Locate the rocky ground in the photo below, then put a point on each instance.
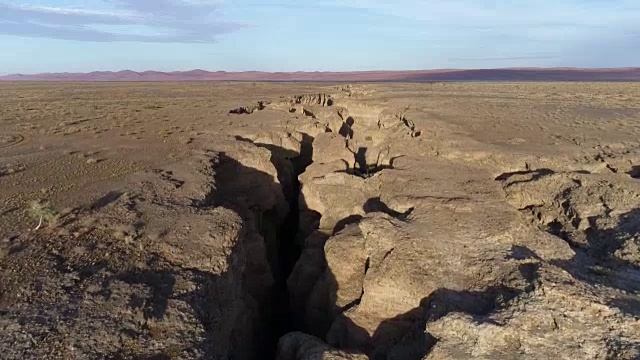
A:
(313, 221)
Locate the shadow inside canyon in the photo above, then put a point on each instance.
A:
(243, 315)
(242, 189)
(404, 336)
(362, 168)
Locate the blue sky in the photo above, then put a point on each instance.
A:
(321, 35)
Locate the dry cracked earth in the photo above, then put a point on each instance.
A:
(308, 221)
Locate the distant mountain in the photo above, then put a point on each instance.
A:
(512, 74)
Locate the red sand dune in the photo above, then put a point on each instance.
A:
(513, 74)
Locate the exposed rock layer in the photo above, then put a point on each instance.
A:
(417, 256)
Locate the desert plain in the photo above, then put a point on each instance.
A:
(219, 220)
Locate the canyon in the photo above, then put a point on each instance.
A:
(320, 221)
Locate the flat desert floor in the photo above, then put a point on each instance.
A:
(306, 221)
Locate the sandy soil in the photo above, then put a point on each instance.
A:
(68, 142)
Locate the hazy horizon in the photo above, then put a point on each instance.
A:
(44, 36)
(329, 71)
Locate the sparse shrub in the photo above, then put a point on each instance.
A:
(43, 212)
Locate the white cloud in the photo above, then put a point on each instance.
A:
(175, 20)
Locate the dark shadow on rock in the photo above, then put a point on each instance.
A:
(376, 205)
(110, 197)
(627, 304)
(361, 160)
(288, 163)
(274, 149)
(282, 160)
(239, 188)
(404, 336)
(241, 111)
(535, 175)
(347, 128)
(205, 301)
(371, 206)
(634, 172)
(249, 321)
(168, 176)
(522, 253)
(412, 342)
(340, 225)
(246, 110)
(364, 170)
(83, 271)
(161, 284)
(306, 154)
(314, 99)
(599, 262)
(308, 221)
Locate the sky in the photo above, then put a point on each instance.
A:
(321, 35)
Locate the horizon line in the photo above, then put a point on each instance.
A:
(435, 75)
(568, 68)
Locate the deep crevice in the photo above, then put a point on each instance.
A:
(288, 253)
(283, 251)
(285, 248)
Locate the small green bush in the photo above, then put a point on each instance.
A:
(43, 212)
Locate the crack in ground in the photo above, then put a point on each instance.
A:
(359, 140)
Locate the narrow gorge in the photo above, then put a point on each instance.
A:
(349, 224)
